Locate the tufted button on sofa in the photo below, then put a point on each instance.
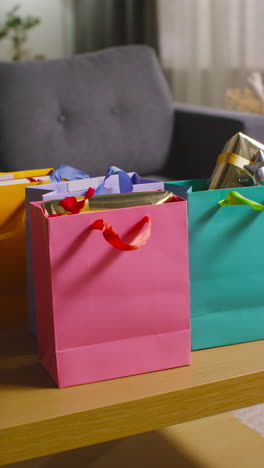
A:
(111, 107)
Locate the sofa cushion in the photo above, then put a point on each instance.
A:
(90, 111)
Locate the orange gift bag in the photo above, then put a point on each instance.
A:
(12, 243)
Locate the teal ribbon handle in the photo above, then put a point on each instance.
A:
(235, 198)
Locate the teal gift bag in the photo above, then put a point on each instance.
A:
(226, 251)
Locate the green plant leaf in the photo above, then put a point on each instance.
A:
(15, 27)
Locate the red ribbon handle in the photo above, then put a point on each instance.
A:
(113, 238)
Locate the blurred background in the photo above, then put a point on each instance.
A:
(207, 48)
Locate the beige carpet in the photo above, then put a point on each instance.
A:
(253, 417)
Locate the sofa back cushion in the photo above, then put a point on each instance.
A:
(111, 107)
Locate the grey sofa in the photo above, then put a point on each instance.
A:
(111, 107)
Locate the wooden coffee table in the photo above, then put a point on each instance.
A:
(37, 419)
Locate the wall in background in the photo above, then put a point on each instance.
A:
(210, 46)
(54, 37)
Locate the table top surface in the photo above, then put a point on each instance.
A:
(41, 419)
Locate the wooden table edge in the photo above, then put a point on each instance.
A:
(72, 431)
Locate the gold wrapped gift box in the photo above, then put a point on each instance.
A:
(239, 151)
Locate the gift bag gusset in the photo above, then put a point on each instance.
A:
(112, 291)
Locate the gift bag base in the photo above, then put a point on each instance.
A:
(111, 360)
(228, 328)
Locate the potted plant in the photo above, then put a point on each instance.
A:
(15, 28)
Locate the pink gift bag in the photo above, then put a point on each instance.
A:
(111, 305)
(110, 183)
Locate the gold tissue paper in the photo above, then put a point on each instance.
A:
(239, 151)
(111, 201)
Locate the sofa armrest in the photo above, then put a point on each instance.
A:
(200, 134)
